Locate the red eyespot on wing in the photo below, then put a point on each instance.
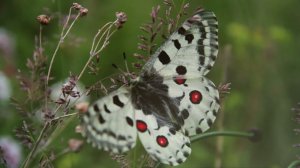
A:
(195, 96)
(141, 125)
(179, 80)
(162, 141)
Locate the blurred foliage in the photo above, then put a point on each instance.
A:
(263, 69)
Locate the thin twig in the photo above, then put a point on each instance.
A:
(40, 38)
(29, 157)
(220, 123)
(64, 116)
(95, 37)
(223, 133)
(60, 42)
(294, 164)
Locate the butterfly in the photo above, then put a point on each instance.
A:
(169, 101)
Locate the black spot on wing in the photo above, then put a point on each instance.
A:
(181, 31)
(198, 131)
(121, 137)
(206, 88)
(202, 59)
(181, 70)
(172, 131)
(186, 154)
(111, 134)
(179, 161)
(209, 122)
(101, 119)
(200, 121)
(189, 38)
(209, 67)
(186, 133)
(96, 108)
(106, 109)
(117, 101)
(185, 113)
(211, 103)
(177, 44)
(200, 50)
(213, 57)
(129, 121)
(164, 57)
(214, 112)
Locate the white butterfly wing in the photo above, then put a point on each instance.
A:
(191, 50)
(198, 103)
(109, 122)
(175, 75)
(163, 144)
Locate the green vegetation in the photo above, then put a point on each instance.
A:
(258, 54)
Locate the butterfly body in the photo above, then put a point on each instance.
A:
(169, 101)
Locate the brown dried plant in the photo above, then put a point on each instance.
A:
(35, 84)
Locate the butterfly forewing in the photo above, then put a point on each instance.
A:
(109, 123)
(191, 50)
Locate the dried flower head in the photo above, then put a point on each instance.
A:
(75, 145)
(23, 133)
(121, 19)
(82, 107)
(79, 129)
(168, 2)
(77, 6)
(137, 65)
(121, 159)
(48, 114)
(154, 13)
(83, 11)
(224, 89)
(43, 19)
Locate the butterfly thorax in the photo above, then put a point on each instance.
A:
(150, 95)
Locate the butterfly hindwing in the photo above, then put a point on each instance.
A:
(198, 102)
(191, 50)
(164, 144)
(109, 122)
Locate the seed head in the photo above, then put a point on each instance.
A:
(43, 19)
(121, 19)
(75, 145)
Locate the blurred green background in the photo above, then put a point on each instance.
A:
(259, 39)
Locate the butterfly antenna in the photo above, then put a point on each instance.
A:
(125, 61)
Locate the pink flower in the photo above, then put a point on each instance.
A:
(11, 152)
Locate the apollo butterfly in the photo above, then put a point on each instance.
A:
(169, 101)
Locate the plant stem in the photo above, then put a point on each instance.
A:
(64, 116)
(294, 164)
(29, 157)
(218, 133)
(222, 133)
(40, 38)
(63, 36)
(94, 51)
(220, 124)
